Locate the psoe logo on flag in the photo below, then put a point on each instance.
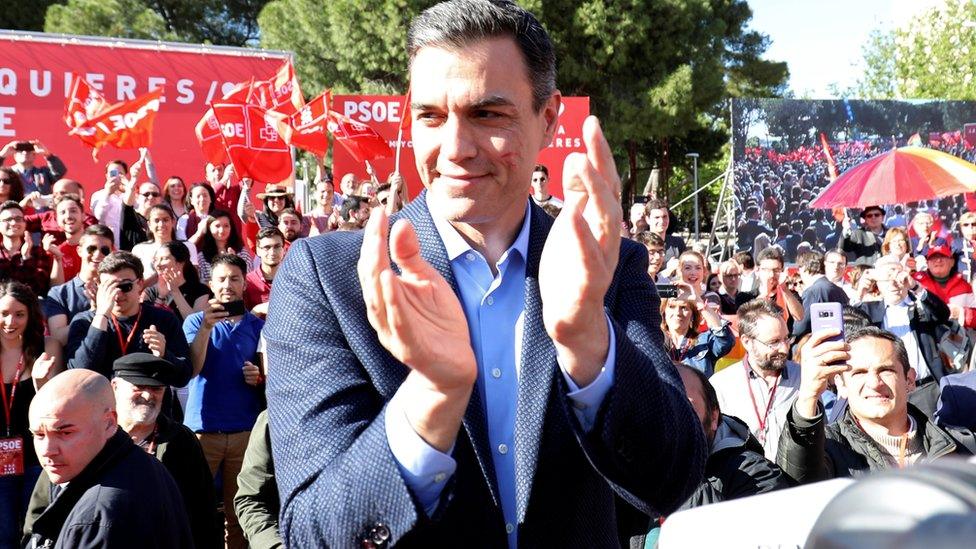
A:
(268, 132)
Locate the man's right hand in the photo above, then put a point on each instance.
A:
(419, 320)
(105, 297)
(215, 313)
(815, 369)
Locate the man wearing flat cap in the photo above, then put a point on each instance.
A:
(863, 245)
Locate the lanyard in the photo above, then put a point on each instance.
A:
(8, 406)
(769, 405)
(678, 354)
(124, 345)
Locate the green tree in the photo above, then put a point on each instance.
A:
(931, 57)
(219, 22)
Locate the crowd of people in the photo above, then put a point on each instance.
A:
(417, 386)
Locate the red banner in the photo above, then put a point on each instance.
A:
(383, 113)
(254, 143)
(125, 125)
(35, 80)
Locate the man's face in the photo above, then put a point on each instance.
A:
(540, 185)
(227, 283)
(68, 434)
(968, 228)
(730, 277)
(876, 386)
(271, 251)
(92, 249)
(348, 184)
(768, 350)
(873, 220)
(940, 265)
(12, 224)
(658, 220)
(290, 226)
(476, 135)
(769, 271)
(324, 192)
(63, 187)
(834, 266)
(922, 224)
(149, 195)
(24, 157)
(69, 217)
(655, 258)
(126, 303)
(137, 403)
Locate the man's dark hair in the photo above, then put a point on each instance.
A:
(11, 205)
(456, 25)
(125, 166)
(711, 398)
(745, 259)
(873, 331)
(772, 252)
(750, 313)
(71, 197)
(349, 205)
(854, 319)
(752, 212)
(811, 262)
(541, 168)
(655, 204)
(116, 261)
(232, 260)
(647, 238)
(99, 230)
(269, 232)
(290, 211)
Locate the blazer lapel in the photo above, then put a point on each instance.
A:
(433, 251)
(537, 369)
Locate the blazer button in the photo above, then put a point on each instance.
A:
(379, 535)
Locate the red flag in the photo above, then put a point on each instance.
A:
(254, 141)
(281, 92)
(125, 125)
(359, 139)
(83, 103)
(309, 126)
(208, 129)
(831, 165)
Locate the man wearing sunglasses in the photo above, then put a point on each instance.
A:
(863, 245)
(761, 389)
(120, 323)
(67, 300)
(965, 248)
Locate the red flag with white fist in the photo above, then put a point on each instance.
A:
(256, 141)
(362, 141)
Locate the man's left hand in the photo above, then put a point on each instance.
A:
(580, 257)
(155, 340)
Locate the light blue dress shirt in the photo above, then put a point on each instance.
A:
(494, 307)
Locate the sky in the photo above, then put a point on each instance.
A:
(822, 40)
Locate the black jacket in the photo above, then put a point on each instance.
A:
(180, 451)
(862, 246)
(736, 467)
(810, 452)
(928, 319)
(123, 498)
(821, 291)
(257, 503)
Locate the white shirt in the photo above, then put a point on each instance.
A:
(107, 209)
(896, 321)
(146, 251)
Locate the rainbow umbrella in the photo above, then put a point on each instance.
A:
(906, 174)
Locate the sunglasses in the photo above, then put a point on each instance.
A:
(92, 249)
(873, 215)
(967, 224)
(126, 286)
(150, 195)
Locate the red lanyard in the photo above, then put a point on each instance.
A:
(8, 406)
(124, 345)
(769, 405)
(679, 353)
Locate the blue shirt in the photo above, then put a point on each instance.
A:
(67, 299)
(219, 399)
(494, 308)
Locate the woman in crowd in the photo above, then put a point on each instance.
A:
(192, 225)
(680, 318)
(27, 360)
(174, 194)
(276, 198)
(714, 283)
(11, 186)
(691, 271)
(896, 243)
(221, 237)
(162, 229)
(178, 286)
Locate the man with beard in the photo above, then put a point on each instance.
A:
(760, 389)
(257, 283)
(70, 212)
(139, 384)
(64, 301)
(290, 224)
(879, 430)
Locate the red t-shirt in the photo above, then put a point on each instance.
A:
(257, 289)
(70, 260)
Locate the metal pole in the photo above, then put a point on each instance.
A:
(694, 159)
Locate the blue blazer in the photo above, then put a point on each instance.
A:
(329, 380)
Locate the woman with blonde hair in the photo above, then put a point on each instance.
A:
(680, 319)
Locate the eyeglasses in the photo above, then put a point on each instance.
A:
(732, 275)
(90, 250)
(873, 215)
(126, 286)
(779, 343)
(149, 195)
(13, 220)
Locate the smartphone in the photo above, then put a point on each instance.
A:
(234, 308)
(668, 291)
(827, 316)
(113, 172)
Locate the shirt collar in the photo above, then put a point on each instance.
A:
(455, 245)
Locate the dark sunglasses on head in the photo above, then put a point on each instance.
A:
(126, 286)
(150, 194)
(92, 249)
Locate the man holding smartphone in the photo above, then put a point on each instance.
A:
(36, 178)
(226, 392)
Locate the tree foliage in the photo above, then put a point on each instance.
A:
(219, 22)
(931, 57)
